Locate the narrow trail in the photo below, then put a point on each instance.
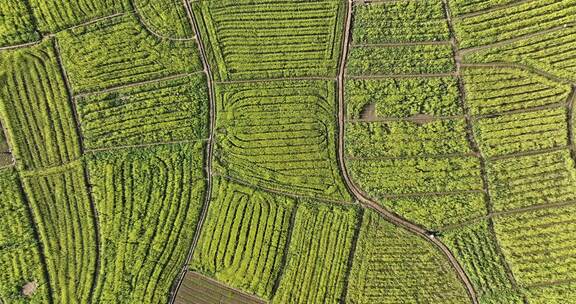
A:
(209, 149)
(368, 203)
(570, 123)
(475, 146)
(86, 173)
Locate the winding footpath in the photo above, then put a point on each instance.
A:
(209, 149)
(363, 199)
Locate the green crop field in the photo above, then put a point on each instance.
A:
(288, 151)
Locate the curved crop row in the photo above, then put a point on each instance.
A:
(165, 17)
(148, 202)
(244, 236)
(117, 51)
(280, 135)
(20, 254)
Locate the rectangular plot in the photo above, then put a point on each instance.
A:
(166, 111)
(16, 23)
(404, 60)
(148, 202)
(117, 52)
(280, 135)
(532, 180)
(539, 245)
(435, 212)
(257, 39)
(35, 108)
(370, 140)
(399, 21)
(199, 289)
(523, 132)
(56, 15)
(243, 237)
(401, 97)
(416, 175)
(318, 254)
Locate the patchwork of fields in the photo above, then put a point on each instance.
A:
(288, 151)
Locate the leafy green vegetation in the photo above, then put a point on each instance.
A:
(20, 254)
(55, 15)
(399, 21)
(249, 39)
(318, 254)
(164, 17)
(477, 250)
(244, 236)
(16, 23)
(117, 52)
(148, 202)
(165, 111)
(407, 59)
(403, 97)
(393, 266)
(35, 108)
(280, 135)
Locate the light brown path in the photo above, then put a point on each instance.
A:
(365, 201)
(209, 149)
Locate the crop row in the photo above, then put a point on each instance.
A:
(392, 265)
(477, 249)
(165, 17)
(148, 203)
(552, 52)
(35, 108)
(117, 51)
(60, 205)
(318, 254)
(497, 90)
(402, 97)
(16, 24)
(20, 255)
(243, 238)
(532, 180)
(460, 7)
(512, 22)
(166, 111)
(256, 40)
(539, 245)
(56, 15)
(532, 131)
(199, 289)
(407, 59)
(399, 21)
(280, 135)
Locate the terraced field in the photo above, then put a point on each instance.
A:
(288, 151)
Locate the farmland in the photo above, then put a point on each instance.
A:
(288, 151)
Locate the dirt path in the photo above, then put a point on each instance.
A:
(366, 202)
(570, 123)
(209, 149)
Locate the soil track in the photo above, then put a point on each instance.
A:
(364, 200)
(209, 148)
